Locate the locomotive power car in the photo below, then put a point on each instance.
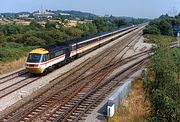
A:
(44, 59)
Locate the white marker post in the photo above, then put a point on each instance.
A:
(178, 35)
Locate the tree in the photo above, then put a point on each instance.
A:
(13, 29)
(165, 28)
(73, 32)
(35, 25)
(120, 22)
(2, 38)
(30, 40)
(50, 25)
(151, 30)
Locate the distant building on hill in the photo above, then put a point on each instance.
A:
(24, 15)
(64, 14)
(45, 14)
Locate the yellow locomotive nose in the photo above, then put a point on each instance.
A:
(33, 68)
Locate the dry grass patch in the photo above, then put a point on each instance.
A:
(135, 107)
(11, 66)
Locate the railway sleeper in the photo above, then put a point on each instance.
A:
(30, 115)
(81, 93)
(96, 95)
(89, 111)
(64, 107)
(78, 111)
(37, 110)
(85, 104)
(81, 109)
(55, 114)
(82, 118)
(49, 101)
(72, 117)
(91, 98)
(71, 103)
(77, 99)
(88, 102)
(80, 96)
(68, 105)
(25, 119)
(51, 119)
(75, 113)
(34, 113)
(40, 108)
(21, 121)
(44, 105)
(59, 112)
(62, 110)
(82, 106)
(69, 120)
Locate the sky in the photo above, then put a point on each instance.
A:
(131, 8)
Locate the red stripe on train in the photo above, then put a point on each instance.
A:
(53, 59)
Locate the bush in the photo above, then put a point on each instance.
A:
(151, 30)
(13, 29)
(29, 39)
(163, 89)
(73, 32)
(35, 25)
(10, 51)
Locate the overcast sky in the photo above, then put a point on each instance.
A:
(131, 8)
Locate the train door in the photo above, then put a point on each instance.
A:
(67, 54)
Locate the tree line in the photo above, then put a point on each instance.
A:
(163, 25)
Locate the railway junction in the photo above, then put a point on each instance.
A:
(78, 90)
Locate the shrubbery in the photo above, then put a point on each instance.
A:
(163, 84)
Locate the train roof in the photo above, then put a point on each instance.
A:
(39, 51)
(73, 41)
(55, 47)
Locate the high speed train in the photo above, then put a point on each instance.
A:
(45, 59)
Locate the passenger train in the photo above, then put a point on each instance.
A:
(44, 59)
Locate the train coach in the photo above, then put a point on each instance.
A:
(45, 59)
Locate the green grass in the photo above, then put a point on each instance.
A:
(14, 51)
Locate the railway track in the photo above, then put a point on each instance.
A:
(12, 76)
(40, 108)
(77, 108)
(82, 71)
(63, 108)
(12, 87)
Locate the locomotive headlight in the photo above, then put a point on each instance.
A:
(36, 65)
(32, 65)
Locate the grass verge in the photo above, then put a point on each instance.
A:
(12, 65)
(149, 38)
(135, 106)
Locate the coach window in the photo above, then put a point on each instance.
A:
(59, 53)
(45, 57)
